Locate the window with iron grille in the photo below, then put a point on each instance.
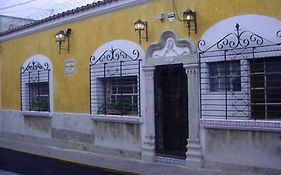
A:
(265, 86)
(244, 68)
(35, 87)
(121, 96)
(224, 75)
(115, 83)
(39, 96)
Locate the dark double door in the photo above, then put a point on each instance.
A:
(171, 115)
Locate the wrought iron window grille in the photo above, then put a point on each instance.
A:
(260, 93)
(115, 83)
(34, 87)
(238, 39)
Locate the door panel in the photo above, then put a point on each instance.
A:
(171, 110)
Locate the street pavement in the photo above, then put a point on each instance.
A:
(107, 163)
(28, 164)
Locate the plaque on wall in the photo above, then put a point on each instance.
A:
(70, 66)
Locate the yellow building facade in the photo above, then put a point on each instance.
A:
(88, 34)
(70, 118)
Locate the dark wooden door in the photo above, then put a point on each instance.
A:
(171, 110)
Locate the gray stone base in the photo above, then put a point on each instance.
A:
(240, 168)
(194, 156)
(148, 151)
(74, 131)
(72, 145)
(194, 163)
(147, 157)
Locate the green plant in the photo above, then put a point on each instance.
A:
(40, 105)
(118, 108)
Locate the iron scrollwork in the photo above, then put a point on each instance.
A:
(278, 34)
(237, 39)
(34, 66)
(114, 55)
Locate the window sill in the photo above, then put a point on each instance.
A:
(255, 125)
(221, 92)
(117, 118)
(37, 113)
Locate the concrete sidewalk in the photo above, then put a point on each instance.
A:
(2, 172)
(108, 162)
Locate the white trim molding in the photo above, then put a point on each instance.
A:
(37, 114)
(117, 118)
(256, 125)
(171, 46)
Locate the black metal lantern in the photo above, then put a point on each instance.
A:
(189, 18)
(140, 26)
(60, 38)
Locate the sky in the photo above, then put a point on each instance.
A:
(38, 9)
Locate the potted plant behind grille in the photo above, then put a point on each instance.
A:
(118, 108)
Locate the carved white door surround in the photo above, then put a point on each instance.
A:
(168, 51)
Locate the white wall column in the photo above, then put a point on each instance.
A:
(194, 157)
(148, 148)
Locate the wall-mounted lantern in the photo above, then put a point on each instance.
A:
(61, 36)
(189, 18)
(141, 26)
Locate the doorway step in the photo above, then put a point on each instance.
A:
(169, 160)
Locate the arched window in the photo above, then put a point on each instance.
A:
(36, 86)
(240, 68)
(115, 79)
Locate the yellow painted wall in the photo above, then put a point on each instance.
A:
(71, 92)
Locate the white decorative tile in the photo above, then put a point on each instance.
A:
(241, 124)
(169, 160)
